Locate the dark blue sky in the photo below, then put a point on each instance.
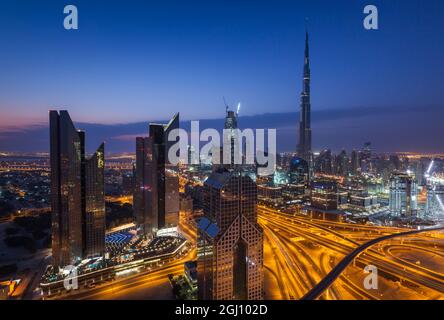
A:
(135, 61)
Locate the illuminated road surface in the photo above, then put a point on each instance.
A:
(309, 249)
(153, 285)
(299, 252)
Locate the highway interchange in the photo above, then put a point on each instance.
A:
(300, 252)
(304, 251)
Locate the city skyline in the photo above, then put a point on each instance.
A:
(351, 128)
(262, 70)
(214, 157)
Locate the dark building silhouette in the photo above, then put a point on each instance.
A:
(324, 162)
(156, 195)
(95, 204)
(355, 162)
(304, 146)
(342, 164)
(230, 241)
(231, 140)
(298, 172)
(77, 193)
(142, 182)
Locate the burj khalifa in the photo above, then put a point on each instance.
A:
(304, 146)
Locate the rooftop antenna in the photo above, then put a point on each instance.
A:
(226, 105)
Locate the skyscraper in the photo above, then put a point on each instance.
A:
(324, 162)
(77, 193)
(95, 204)
(230, 241)
(355, 162)
(435, 198)
(142, 183)
(231, 138)
(156, 195)
(403, 195)
(304, 147)
(342, 164)
(366, 158)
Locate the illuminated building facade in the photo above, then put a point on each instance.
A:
(270, 194)
(403, 195)
(435, 198)
(363, 201)
(324, 195)
(77, 194)
(230, 241)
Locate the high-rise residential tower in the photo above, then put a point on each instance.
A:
(403, 195)
(230, 241)
(304, 146)
(95, 204)
(156, 195)
(77, 194)
(66, 148)
(435, 198)
(142, 182)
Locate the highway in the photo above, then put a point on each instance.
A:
(142, 285)
(135, 285)
(319, 289)
(306, 250)
(312, 259)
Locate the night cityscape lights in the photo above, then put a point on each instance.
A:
(326, 223)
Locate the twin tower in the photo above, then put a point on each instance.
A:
(78, 189)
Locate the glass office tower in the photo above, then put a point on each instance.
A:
(95, 204)
(230, 241)
(156, 196)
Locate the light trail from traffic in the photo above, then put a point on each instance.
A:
(327, 243)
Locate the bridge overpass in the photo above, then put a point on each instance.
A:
(325, 283)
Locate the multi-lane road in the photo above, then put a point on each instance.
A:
(320, 288)
(306, 251)
(148, 284)
(317, 259)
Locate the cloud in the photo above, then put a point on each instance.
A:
(128, 137)
(389, 129)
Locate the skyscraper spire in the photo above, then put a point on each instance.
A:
(304, 147)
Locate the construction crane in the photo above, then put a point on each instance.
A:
(228, 107)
